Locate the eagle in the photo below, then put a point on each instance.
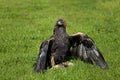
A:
(58, 49)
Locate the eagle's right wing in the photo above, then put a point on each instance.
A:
(83, 47)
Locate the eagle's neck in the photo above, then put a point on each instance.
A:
(60, 33)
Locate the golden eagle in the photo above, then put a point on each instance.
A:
(60, 46)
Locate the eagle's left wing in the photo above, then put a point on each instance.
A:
(43, 60)
(83, 47)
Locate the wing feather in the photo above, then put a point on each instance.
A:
(44, 56)
(86, 50)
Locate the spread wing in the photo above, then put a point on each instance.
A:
(43, 60)
(83, 47)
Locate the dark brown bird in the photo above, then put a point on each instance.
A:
(60, 46)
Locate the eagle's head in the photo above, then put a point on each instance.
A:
(61, 23)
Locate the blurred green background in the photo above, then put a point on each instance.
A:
(24, 24)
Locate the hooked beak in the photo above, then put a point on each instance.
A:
(60, 23)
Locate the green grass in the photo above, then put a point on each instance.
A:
(24, 24)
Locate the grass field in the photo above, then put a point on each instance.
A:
(24, 24)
